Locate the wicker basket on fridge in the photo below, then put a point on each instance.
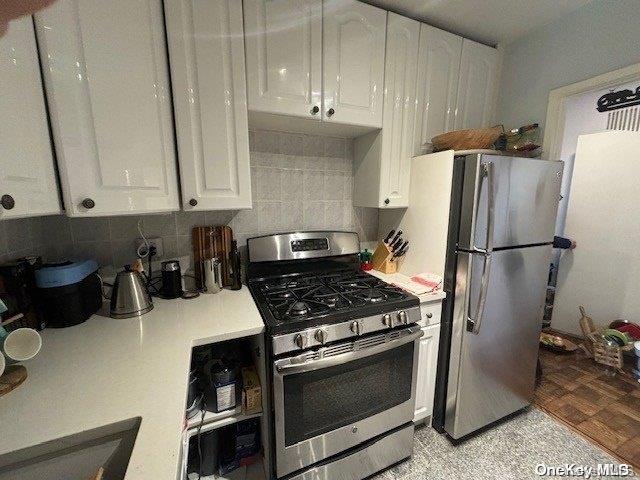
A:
(474, 139)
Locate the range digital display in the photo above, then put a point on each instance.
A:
(309, 244)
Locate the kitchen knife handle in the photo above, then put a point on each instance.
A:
(388, 237)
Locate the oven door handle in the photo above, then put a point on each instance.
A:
(285, 367)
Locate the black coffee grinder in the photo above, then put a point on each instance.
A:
(171, 279)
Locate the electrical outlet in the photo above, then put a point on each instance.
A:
(154, 242)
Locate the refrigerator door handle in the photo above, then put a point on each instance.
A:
(474, 322)
(488, 172)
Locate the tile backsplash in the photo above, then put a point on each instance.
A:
(299, 182)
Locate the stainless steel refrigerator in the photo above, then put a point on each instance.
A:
(503, 214)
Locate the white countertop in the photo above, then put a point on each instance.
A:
(107, 370)
(399, 278)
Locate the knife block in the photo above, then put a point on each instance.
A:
(382, 261)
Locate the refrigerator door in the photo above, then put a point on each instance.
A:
(526, 192)
(492, 372)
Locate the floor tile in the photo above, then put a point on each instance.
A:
(630, 450)
(601, 433)
(620, 422)
(510, 450)
(563, 408)
(585, 396)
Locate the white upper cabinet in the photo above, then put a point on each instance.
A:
(353, 62)
(478, 86)
(106, 78)
(206, 50)
(399, 110)
(27, 176)
(438, 70)
(284, 56)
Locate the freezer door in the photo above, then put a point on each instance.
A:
(526, 192)
(492, 368)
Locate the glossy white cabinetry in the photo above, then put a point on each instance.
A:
(399, 110)
(478, 86)
(438, 71)
(353, 62)
(382, 163)
(106, 78)
(27, 175)
(283, 40)
(427, 366)
(206, 50)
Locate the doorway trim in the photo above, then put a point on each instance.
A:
(554, 124)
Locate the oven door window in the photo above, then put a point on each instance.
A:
(322, 400)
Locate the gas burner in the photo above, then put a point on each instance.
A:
(298, 308)
(309, 296)
(373, 296)
(331, 301)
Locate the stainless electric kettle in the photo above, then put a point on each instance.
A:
(130, 296)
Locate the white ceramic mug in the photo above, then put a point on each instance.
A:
(22, 344)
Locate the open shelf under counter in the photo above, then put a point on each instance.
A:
(254, 471)
(213, 420)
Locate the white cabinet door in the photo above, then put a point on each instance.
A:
(399, 110)
(27, 176)
(427, 365)
(478, 86)
(208, 76)
(438, 70)
(353, 62)
(106, 78)
(284, 56)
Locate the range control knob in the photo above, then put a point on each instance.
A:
(321, 335)
(300, 340)
(356, 328)
(387, 320)
(402, 317)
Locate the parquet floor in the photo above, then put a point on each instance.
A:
(585, 396)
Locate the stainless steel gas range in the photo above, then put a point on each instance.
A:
(342, 357)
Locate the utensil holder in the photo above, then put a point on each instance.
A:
(382, 259)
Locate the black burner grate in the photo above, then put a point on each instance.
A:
(308, 296)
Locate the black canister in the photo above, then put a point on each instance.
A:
(171, 279)
(223, 387)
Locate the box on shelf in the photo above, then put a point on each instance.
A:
(251, 391)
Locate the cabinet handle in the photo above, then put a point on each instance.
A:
(429, 315)
(315, 110)
(193, 202)
(386, 201)
(7, 202)
(330, 112)
(88, 203)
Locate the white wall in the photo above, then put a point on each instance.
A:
(603, 273)
(602, 36)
